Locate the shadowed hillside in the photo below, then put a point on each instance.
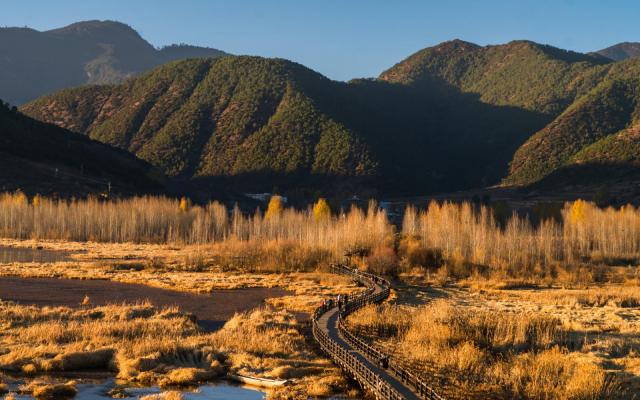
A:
(599, 128)
(42, 158)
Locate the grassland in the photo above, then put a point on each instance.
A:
(513, 343)
(514, 307)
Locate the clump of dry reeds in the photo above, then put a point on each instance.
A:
(464, 240)
(163, 220)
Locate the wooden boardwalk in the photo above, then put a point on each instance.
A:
(356, 357)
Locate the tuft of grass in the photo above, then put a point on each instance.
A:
(47, 391)
(170, 395)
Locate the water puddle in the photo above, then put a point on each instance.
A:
(29, 255)
(99, 390)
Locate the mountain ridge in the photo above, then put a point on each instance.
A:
(448, 117)
(621, 51)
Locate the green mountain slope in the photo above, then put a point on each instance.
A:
(522, 74)
(35, 63)
(587, 100)
(43, 158)
(253, 118)
(599, 128)
(450, 117)
(208, 118)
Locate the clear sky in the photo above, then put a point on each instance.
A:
(344, 39)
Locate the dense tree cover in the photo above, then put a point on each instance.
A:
(521, 73)
(588, 97)
(253, 118)
(588, 131)
(49, 157)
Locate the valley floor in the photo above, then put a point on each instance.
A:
(141, 336)
(472, 339)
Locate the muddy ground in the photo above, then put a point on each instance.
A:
(212, 310)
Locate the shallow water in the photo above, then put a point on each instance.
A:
(99, 390)
(27, 255)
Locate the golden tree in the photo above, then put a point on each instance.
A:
(20, 198)
(185, 204)
(321, 210)
(275, 207)
(578, 211)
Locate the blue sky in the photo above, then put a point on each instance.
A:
(345, 39)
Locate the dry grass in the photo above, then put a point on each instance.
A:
(522, 343)
(464, 240)
(170, 395)
(150, 346)
(162, 220)
(45, 390)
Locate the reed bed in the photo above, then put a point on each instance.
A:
(471, 236)
(486, 354)
(164, 220)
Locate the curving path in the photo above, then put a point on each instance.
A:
(356, 357)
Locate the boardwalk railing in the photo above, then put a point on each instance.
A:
(350, 363)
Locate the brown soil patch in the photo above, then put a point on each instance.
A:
(211, 310)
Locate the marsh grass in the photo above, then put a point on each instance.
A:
(465, 241)
(163, 220)
(519, 355)
(151, 346)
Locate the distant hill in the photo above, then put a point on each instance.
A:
(621, 51)
(34, 63)
(42, 158)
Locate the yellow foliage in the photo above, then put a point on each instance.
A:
(578, 211)
(185, 204)
(37, 200)
(321, 210)
(275, 207)
(19, 198)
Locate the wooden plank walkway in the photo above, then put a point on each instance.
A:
(359, 359)
(329, 323)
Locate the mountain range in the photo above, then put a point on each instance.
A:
(34, 63)
(449, 117)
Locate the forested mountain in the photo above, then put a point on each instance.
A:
(34, 63)
(621, 51)
(590, 102)
(521, 74)
(600, 130)
(449, 117)
(250, 117)
(46, 159)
